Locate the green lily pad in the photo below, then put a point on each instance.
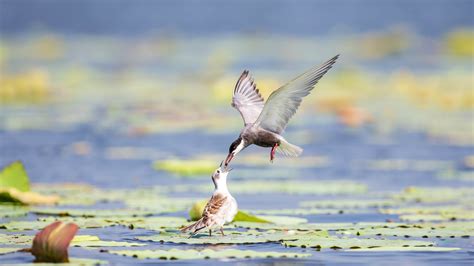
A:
(405, 249)
(198, 207)
(231, 237)
(449, 209)
(15, 176)
(94, 241)
(315, 241)
(435, 194)
(7, 211)
(91, 212)
(16, 239)
(179, 254)
(311, 211)
(348, 203)
(283, 219)
(413, 231)
(72, 262)
(303, 187)
(186, 167)
(151, 223)
(437, 217)
(4, 251)
(314, 226)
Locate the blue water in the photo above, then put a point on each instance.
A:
(197, 18)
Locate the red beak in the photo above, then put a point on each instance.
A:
(229, 158)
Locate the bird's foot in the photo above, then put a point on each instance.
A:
(210, 232)
(272, 153)
(222, 231)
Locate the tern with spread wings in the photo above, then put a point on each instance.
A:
(265, 122)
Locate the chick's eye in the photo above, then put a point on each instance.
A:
(218, 171)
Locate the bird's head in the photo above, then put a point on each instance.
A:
(219, 177)
(234, 148)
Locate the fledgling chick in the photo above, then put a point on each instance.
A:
(220, 209)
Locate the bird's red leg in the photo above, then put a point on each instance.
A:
(272, 153)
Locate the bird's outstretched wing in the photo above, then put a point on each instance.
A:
(283, 103)
(247, 99)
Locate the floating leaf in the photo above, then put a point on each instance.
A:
(435, 194)
(16, 196)
(316, 241)
(288, 187)
(15, 239)
(51, 243)
(7, 211)
(186, 167)
(4, 251)
(95, 241)
(348, 203)
(91, 212)
(414, 231)
(311, 211)
(437, 217)
(15, 176)
(233, 237)
(314, 226)
(242, 216)
(179, 254)
(405, 249)
(198, 207)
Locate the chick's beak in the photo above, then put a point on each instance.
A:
(229, 158)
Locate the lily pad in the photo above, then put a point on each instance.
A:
(435, 194)
(348, 203)
(91, 212)
(413, 231)
(15, 239)
(179, 254)
(4, 251)
(315, 241)
(437, 217)
(7, 211)
(311, 211)
(405, 249)
(95, 241)
(186, 167)
(152, 223)
(289, 187)
(15, 196)
(314, 226)
(15, 176)
(233, 237)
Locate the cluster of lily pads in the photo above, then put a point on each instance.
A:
(425, 216)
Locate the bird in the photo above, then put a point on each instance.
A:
(265, 122)
(220, 209)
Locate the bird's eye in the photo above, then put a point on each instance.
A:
(218, 171)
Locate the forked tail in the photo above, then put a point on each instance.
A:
(289, 149)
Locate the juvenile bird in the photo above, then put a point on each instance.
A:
(220, 209)
(264, 122)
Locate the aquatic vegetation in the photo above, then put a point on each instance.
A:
(189, 254)
(186, 167)
(15, 187)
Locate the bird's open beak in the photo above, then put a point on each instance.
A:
(229, 158)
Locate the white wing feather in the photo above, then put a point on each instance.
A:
(283, 103)
(247, 99)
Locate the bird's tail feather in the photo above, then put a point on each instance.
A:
(194, 227)
(289, 149)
